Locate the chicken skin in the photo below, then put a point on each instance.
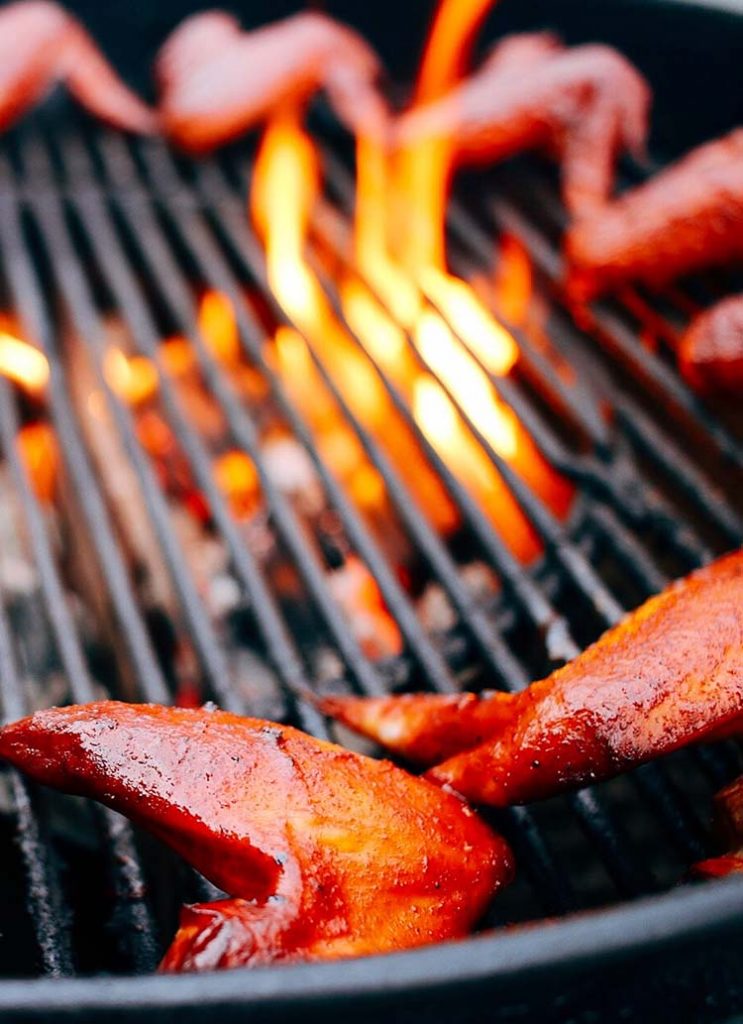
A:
(585, 104)
(711, 349)
(326, 853)
(40, 45)
(684, 219)
(670, 674)
(729, 807)
(217, 81)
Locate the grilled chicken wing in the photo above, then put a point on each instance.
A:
(669, 674)
(586, 104)
(327, 853)
(711, 350)
(729, 805)
(217, 81)
(41, 44)
(686, 218)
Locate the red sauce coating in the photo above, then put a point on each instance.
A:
(671, 673)
(218, 81)
(684, 219)
(41, 44)
(585, 104)
(328, 854)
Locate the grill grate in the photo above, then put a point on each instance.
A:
(90, 223)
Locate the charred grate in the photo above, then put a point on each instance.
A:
(103, 238)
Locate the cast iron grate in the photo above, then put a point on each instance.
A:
(93, 226)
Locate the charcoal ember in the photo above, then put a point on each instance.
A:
(435, 610)
(481, 581)
(257, 684)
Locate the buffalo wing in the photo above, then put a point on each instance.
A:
(684, 219)
(671, 673)
(711, 350)
(41, 44)
(327, 853)
(729, 805)
(585, 104)
(217, 81)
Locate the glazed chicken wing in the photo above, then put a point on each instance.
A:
(671, 673)
(586, 104)
(41, 44)
(711, 350)
(729, 806)
(328, 854)
(217, 81)
(684, 219)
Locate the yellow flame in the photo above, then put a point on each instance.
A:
(133, 378)
(447, 432)
(462, 308)
(23, 363)
(469, 385)
(286, 183)
(423, 170)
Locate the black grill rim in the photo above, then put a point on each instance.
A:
(647, 925)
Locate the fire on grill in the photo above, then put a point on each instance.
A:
(308, 444)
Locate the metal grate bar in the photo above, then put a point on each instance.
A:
(583, 470)
(645, 507)
(628, 876)
(73, 287)
(28, 300)
(137, 939)
(671, 803)
(149, 225)
(548, 879)
(219, 275)
(604, 833)
(611, 328)
(45, 901)
(575, 401)
(275, 633)
(492, 649)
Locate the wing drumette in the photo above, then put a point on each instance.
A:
(217, 81)
(41, 44)
(329, 854)
(729, 805)
(669, 674)
(585, 104)
(684, 219)
(711, 350)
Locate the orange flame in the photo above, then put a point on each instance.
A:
(449, 42)
(218, 326)
(23, 363)
(445, 429)
(423, 170)
(238, 478)
(37, 447)
(513, 284)
(450, 326)
(133, 378)
(285, 186)
(356, 590)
